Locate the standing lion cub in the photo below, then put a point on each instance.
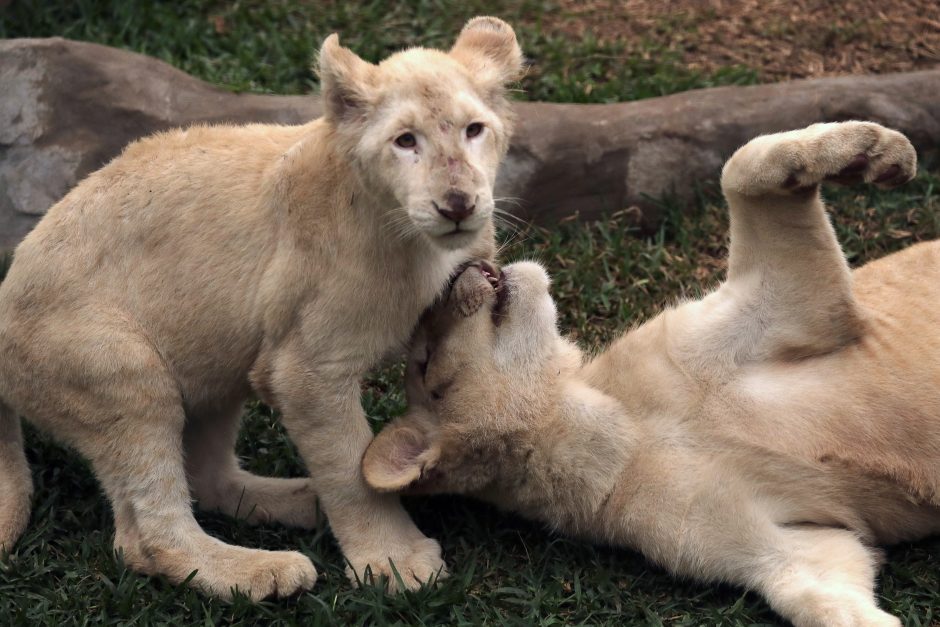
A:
(207, 263)
(768, 435)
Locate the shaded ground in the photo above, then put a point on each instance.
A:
(781, 39)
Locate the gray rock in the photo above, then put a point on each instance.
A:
(68, 107)
(596, 159)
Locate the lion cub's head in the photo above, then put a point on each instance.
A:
(428, 127)
(484, 374)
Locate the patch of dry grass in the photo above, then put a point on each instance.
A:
(780, 39)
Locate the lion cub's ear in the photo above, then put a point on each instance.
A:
(397, 457)
(346, 81)
(488, 46)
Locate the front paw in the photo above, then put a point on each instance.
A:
(416, 563)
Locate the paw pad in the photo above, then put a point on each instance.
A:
(854, 172)
(890, 174)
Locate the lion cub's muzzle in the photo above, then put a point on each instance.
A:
(456, 206)
(480, 284)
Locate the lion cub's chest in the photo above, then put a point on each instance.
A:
(369, 312)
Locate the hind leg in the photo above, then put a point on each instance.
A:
(812, 575)
(16, 483)
(109, 394)
(789, 288)
(219, 484)
(825, 578)
(140, 467)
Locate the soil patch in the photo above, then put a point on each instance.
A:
(779, 39)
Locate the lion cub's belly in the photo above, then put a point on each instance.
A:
(869, 409)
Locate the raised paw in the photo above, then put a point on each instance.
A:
(418, 563)
(841, 152)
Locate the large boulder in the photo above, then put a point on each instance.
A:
(68, 107)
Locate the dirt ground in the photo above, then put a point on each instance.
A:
(781, 39)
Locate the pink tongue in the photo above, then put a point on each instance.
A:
(487, 269)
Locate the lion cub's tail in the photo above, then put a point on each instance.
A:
(16, 484)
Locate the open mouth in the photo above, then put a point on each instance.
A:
(496, 279)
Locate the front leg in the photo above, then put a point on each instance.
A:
(322, 412)
(787, 276)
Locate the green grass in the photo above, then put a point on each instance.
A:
(504, 570)
(268, 46)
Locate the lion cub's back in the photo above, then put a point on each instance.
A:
(170, 197)
(903, 282)
(177, 178)
(172, 234)
(900, 294)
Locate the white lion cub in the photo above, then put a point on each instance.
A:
(207, 263)
(767, 435)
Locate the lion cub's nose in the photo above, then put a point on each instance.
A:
(455, 206)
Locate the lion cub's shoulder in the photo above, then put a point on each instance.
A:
(246, 141)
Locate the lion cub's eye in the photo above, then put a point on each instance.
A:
(437, 392)
(406, 140)
(474, 129)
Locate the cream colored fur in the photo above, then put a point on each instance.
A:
(207, 263)
(768, 435)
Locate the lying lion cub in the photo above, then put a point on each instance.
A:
(767, 435)
(206, 263)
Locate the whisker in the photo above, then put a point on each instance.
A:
(508, 228)
(508, 215)
(511, 222)
(516, 237)
(515, 202)
(398, 222)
